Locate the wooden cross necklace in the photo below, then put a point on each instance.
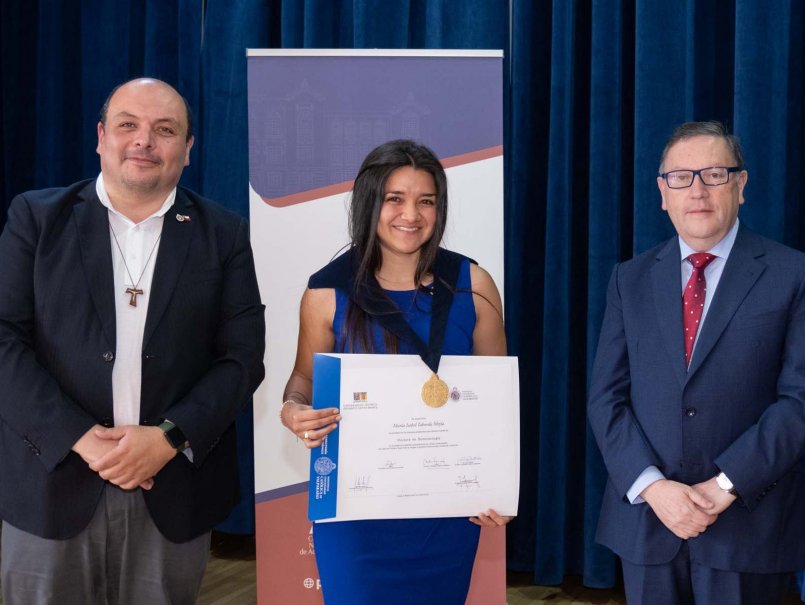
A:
(134, 290)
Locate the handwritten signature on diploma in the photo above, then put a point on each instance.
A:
(435, 463)
(467, 482)
(362, 483)
(390, 465)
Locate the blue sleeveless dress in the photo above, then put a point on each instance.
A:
(402, 561)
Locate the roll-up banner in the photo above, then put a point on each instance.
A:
(313, 117)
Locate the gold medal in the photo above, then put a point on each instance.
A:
(435, 391)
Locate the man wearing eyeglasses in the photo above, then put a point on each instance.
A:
(697, 398)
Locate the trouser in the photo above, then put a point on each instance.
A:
(120, 558)
(683, 582)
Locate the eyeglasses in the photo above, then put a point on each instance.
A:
(715, 175)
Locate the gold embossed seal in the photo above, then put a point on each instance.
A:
(435, 391)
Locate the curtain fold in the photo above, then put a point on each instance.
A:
(768, 113)
(18, 94)
(55, 31)
(609, 236)
(554, 504)
(526, 182)
(593, 89)
(660, 86)
(222, 173)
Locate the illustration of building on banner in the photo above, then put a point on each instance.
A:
(313, 116)
(303, 145)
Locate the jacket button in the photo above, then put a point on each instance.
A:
(690, 412)
(108, 356)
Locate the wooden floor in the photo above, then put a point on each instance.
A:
(521, 591)
(231, 580)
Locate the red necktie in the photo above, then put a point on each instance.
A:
(693, 299)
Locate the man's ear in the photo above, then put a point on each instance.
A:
(662, 186)
(101, 134)
(190, 142)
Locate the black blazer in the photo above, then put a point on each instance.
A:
(202, 357)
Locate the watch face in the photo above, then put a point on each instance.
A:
(176, 438)
(724, 483)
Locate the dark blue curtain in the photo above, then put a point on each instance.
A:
(592, 90)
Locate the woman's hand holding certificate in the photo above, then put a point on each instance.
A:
(396, 456)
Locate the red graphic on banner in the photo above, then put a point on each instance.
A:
(286, 562)
(344, 186)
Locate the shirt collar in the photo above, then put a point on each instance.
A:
(100, 189)
(722, 249)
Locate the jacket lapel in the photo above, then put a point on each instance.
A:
(740, 274)
(666, 282)
(92, 222)
(173, 250)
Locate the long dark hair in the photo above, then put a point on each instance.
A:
(367, 201)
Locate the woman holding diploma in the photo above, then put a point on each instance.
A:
(394, 291)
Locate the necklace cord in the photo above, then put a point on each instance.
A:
(123, 257)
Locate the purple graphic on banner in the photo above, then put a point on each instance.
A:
(312, 120)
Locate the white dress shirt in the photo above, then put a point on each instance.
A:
(139, 244)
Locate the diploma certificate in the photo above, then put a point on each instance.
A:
(392, 456)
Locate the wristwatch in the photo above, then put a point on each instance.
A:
(725, 484)
(174, 435)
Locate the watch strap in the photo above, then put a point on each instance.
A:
(173, 435)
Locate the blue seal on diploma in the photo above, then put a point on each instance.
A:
(323, 465)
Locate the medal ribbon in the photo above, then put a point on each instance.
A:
(388, 315)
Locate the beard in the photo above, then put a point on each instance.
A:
(141, 183)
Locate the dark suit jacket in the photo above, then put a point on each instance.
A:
(202, 357)
(740, 407)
